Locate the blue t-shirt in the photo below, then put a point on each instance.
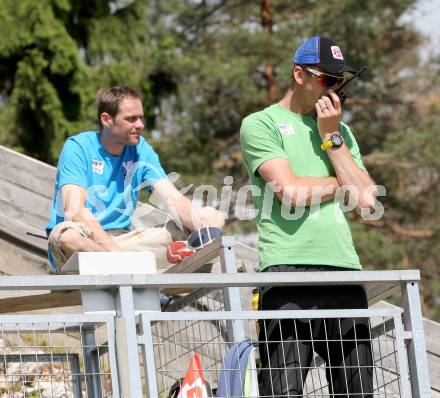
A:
(112, 182)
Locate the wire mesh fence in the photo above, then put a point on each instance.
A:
(313, 353)
(55, 358)
(318, 356)
(205, 336)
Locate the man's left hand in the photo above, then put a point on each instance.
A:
(329, 114)
(209, 217)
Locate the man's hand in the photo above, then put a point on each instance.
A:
(349, 175)
(329, 114)
(208, 217)
(182, 210)
(74, 199)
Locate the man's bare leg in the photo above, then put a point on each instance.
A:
(71, 241)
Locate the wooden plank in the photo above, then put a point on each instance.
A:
(16, 200)
(434, 371)
(53, 299)
(15, 231)
(432, 336)
(378, 292)
(432, 332)
(26, 172)
(245, 252)
(15, 260)
(40, 301)
(34, 221)
(206, 268)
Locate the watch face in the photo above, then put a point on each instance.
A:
(336, 140)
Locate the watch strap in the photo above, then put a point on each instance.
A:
(326, 145)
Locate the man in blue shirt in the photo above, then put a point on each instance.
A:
(98, 180)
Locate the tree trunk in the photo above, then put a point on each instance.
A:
(269, 73)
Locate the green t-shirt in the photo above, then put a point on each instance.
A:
(321, 234)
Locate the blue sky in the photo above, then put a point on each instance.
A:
(426, 17)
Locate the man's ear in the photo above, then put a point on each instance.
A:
(106, 120)
(298, 75)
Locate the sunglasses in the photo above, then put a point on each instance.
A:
(325, 79)
(203, 236)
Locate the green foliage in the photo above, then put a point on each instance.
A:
(201, 66)
(40, 63)
(56, 54)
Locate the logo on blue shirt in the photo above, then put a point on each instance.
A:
(97, 166)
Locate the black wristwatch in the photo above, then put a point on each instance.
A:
(335, 141)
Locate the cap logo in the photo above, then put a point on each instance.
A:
(336, 52)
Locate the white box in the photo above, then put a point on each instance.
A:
(111, 263)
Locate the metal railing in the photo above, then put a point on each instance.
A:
(57, 356)
(175, 338)
(127, 347)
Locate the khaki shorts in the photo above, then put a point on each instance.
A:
(140, 239)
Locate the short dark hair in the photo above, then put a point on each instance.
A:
(304, 67)
(108, 100)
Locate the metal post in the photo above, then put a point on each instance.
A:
(76, 380)
(126, 344)
(111, 342)
(149, 300)
(231, 294)
(400, 345)
(417, 357)
(91, 363)
(146, 338)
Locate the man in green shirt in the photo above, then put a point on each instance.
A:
(305, 161)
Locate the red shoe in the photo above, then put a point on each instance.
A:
(178, 250)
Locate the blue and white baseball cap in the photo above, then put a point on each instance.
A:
(324, 53)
